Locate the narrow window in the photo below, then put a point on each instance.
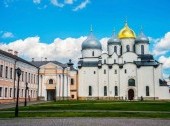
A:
(90, 91)
(51, 81)
(1, 70)
(142, 49)
(127, 48)
(94, 72)
(116, 91)
(11, 73)
(10, 92)
(22, 76)
(72, 96)
(114, 61)
(25, 76)
(104, 61)
(0, 91)
(28, 77)
(125, 71)
(104, 71)
(6, 92)
(147, 90)
(93, 53)
(115, 71)
(72, 81)
(6, 75)
(105, 90)
(115, 49)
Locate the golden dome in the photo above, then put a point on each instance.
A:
(126, 32)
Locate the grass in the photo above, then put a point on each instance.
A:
(159, 107)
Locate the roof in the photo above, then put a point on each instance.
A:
(146, 57)
(15, 57)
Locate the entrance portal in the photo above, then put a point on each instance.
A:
(50, 95)
(131, 94)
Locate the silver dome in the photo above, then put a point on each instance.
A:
(114, 39)
(91, 43)
(142, 38)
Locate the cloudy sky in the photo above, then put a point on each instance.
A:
(56, 28)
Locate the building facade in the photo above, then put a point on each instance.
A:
(9, 62)
(57, 81)
(126, 71)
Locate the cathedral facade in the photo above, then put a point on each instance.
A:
(126, 71)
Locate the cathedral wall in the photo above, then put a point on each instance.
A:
(89, 53)
(113, 58)
(111, 49)
(138, 48)
(129, 57)
(125, 42)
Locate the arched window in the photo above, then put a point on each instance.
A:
(72, 81)
(93, 53)
(105, 90)
(131, 82)
(51, 81)
(90, 91)
(115, 49)
(114, 61)
(116, 91)
(142, 49)
(147, 90)
(104, 61)
(127, 48)
(104, 71)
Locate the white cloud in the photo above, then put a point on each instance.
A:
(163, 46)
(56, 3)
(69, 1)
(37, 1)
(165, 61)
(82, 5)
(7, 35)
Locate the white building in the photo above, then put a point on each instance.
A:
(127, 71)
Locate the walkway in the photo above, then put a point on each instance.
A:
(83, 122)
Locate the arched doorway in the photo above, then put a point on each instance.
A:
(131, 94)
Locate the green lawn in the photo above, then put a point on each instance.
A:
(55, 108)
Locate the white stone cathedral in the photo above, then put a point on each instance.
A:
(127, 71)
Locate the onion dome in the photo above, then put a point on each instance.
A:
(142, 38)
(126, 32)
(114, 39)
(91, 42)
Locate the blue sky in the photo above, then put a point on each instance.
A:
(51, 19)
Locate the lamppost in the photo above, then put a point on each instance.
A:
(18, 71)
(26, 88)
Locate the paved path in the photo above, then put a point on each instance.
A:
(12, 105)
(83, 122)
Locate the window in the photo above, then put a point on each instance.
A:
(94, 72)
(90, 91)
(1, 70)
(72, 81)
(11, 73)
(104, 61)
(127, 48)
(6, 74)
(105, 90)
(116, 91)
(6, 92)
(28, 77)
(31, 77)
(51, 81)
(142, 49)
(25, 76)
(147, 90)
(115, 49)
(104, 71)
(114, 61)
(10, 92)
(22, 76)
(125, 71)
(0, 91)
(93, 53)
(131, 82)
(72, 96)
(115, 71)
(22, 93)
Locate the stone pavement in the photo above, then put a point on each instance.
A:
(83, 122)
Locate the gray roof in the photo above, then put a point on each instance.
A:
(41, 63)
(91, 43)
(114, 39)
(142, 38)
(88, 64)
(15, 57)
(146, 63)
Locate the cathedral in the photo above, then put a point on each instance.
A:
(126, 72)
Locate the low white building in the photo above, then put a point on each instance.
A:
(127, 71)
